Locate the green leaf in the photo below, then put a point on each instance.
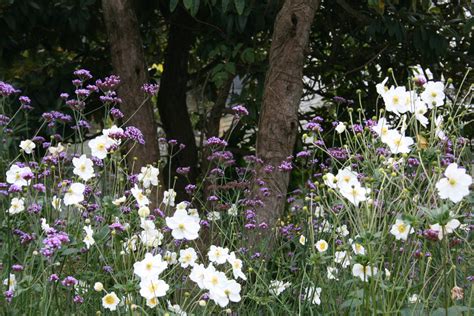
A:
(173, 5)
(225, 5)
(239, 6)
(195, 7)
(188, 4)
(70, 251)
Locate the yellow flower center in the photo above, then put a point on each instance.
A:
(396, 99)
(109, 299)
(214, 280)
(402, 228)
(181, 226)
(149, 266)
(452, 182)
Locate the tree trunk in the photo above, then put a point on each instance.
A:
(277, 128)
(128, 61)
(172, 99)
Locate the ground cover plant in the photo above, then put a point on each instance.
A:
(379, 221)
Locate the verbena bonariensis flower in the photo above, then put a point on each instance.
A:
(134, 134)
(215, 141)
(7, 89)
(151, 89)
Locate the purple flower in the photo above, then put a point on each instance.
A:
(240, 110)
(53, 277)
(69, 281)
(78, 299)
(190, 188)
(215, 141)
(285, 166)
(83, 74)
(183, 170)
(134, 134)
(151, 89)
(17, 267)
(8, 294)
(116, 113)
(108, 269)
(7, 89)
(109, 83)
(35, 208)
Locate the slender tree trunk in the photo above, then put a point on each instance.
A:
(277, 128)
(172, 99)
(128, 61)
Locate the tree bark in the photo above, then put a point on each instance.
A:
(172, 99)
(278, 124)
(128, 62)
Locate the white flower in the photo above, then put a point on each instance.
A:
(17, 206)
(183, 225)
(397, 100)
(143, 211)
(401, 230)
(152, 302)
(398, 143)
(355, 193)
(187, 257)
(149, 176)
(228, 290)
(56, 203)
(439, 128)
(382, 128)
(75, 194)
(277, 287)
(420, 111)
(218, 255)
(340, 128)
(381, 87)
(150, 266)
(413, 299)
(213, 279)
(322, 245)
(150, 236)
(10, 282)
(302, 240)
(198, 273)
(233, 210)
(330, 180)
(332, 273)
(318, 212)
(15, 175)
(119, 201)
(171, 257)
(363, 272)
(168, 197)
(44, 225)
(346, 178)
(110, 301)
(213, 216)
(342, 231)
(83, 167)
(113, 130)
(313, 295)
(130, 245)
(343, 258)
(358, 249)
(99, 146)
(153, 287)
(176, 309)
(98, 287)
(88, 239)
(28, 146)
(455, 186)
(55, 151)
(236, 266)
(433, 95)
(449, 228)
(141, 198)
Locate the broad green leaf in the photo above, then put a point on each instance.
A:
(173, 4)
(225, 5)
(239, 6)
(188, 4)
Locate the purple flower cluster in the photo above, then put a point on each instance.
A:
(116, 113)
(240, 110)
(151, 89)
(215, 141)
(109, 83)
(134, 134)
(7, 89)
(53, 241)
